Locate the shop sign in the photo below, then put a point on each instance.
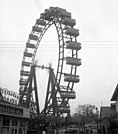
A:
(10, 96)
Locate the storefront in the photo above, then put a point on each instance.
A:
(13, 119)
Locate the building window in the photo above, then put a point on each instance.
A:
(6, 122)
(22, 131)
(22, 124)
(14, 122)
(14, 131)
(5, 130)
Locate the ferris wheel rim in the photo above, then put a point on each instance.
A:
(61, 37)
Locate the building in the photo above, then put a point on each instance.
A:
(105, 115)
(114, 107)
(109, 115)
(114, 99)
(13, 118)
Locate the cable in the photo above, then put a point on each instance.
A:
(80, 41)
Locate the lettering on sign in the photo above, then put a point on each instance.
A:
(10, 96)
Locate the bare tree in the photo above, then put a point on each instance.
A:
(87, 113)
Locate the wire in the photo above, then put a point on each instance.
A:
(80, 41)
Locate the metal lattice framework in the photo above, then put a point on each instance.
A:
(57, 101)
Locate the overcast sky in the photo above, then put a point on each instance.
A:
(97, 21)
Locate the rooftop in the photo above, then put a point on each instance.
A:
(115, 94)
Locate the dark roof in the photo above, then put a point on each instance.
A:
(105, 111)
(115, 94)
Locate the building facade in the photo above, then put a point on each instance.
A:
(13, 118)
(114, 107)
(109, 116)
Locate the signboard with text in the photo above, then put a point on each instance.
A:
(9, 96)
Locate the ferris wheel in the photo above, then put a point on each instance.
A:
(62, 82)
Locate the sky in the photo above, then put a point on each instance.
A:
(97, 21)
